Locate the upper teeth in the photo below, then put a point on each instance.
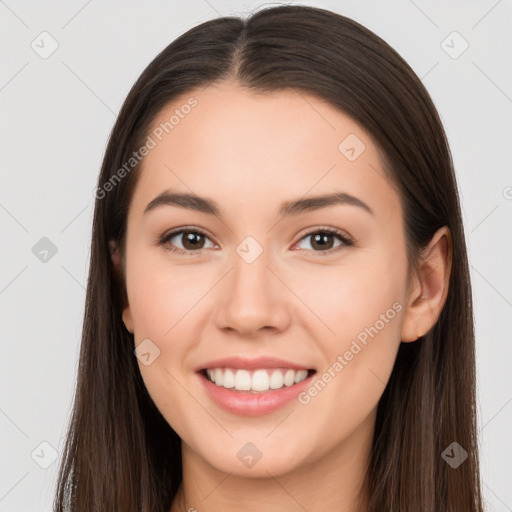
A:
(259, 380)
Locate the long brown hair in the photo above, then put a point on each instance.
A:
(120, 453)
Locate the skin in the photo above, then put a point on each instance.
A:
(250, 153)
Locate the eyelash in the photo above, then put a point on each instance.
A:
(347, 242)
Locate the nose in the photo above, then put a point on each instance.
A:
(252, 298)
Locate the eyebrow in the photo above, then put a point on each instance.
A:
(288, 208)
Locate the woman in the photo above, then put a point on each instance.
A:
(278, 309)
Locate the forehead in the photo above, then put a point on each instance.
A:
(243, 146)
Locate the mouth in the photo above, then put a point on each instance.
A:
(255, 381)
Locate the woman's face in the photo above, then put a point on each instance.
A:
(265, 280)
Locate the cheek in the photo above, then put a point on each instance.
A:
(167, 305)
(164, 306)
(160, 295)
(343, 300)
(357, 320)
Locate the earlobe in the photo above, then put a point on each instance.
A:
(430, 287)
(114, 254)
(127, 319)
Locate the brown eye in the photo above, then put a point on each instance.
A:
(192, 240)
(185, 241)
(324, 240)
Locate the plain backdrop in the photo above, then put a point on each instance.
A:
(56, 115)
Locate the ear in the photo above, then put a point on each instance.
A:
(127, 319)
(429, 287)
(115, 256)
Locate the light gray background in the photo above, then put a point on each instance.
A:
(56, 115)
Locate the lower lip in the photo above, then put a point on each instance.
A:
(253, 404)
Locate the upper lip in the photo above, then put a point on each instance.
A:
(251, 364)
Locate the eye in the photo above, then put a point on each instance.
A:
(192, 241)
(322, 240)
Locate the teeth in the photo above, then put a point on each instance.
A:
(276, 380)
(228, 379)
(260, 381)
(289, 378)
(257, 380)
(242, 380)
(219, 376)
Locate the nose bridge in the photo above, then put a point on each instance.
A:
(252, 298)
(250, 273)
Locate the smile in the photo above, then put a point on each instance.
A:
(263, 391)
(255, 381)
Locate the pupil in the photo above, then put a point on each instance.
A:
(189, 239)
(321, 239)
